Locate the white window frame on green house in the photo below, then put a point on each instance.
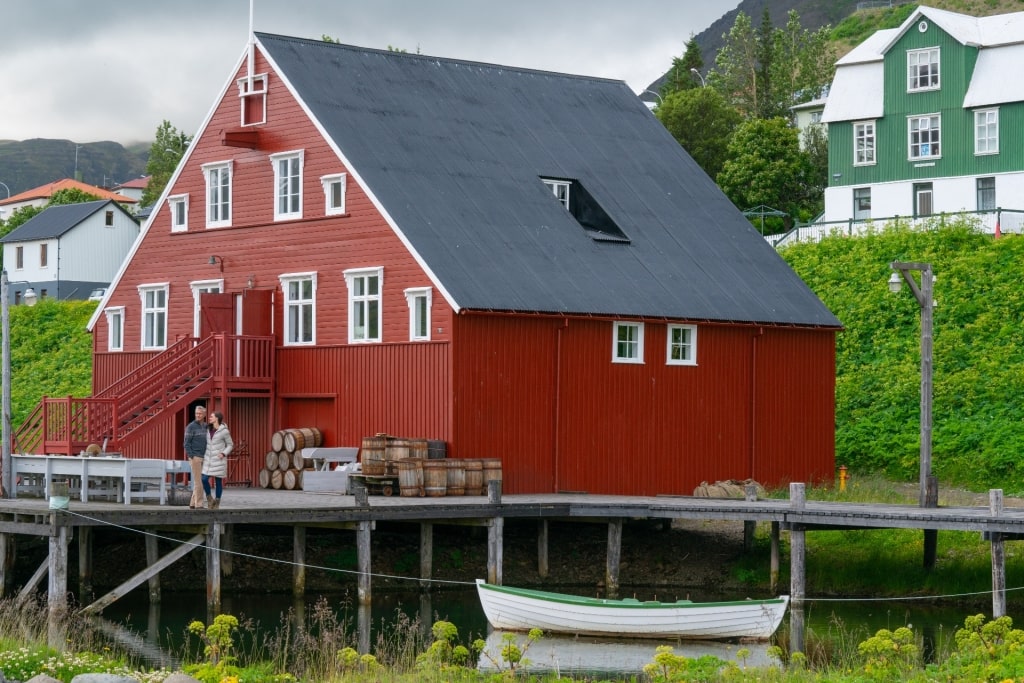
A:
(923, 69)
(299, 308)
(560, 188)
(115, 328)
(420, 299)
(681, 345)
(178, 205)
(335, 187)
(628, 342)
(924, 143)
(864, 143)
(365, 305)
(219, 175)
(985, 189)
(154, 297)
(986, 131)
(861, 203)
(288, 167)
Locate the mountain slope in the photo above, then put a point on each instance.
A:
(31, 163)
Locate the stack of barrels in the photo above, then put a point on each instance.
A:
(284, 462)
(418, 476)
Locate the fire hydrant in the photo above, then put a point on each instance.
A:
(842, 478)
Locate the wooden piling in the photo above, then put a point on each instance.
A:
(749, 525)
(495, 535)
(426, 554)
(213, 586)
(995, 505)
(299, 557)
(773, 568)
(57, 593)
(152, 557)
(611, 573)
(797, 571)
(364, 589)
(85, 592)
(6, 560)
(542, 548)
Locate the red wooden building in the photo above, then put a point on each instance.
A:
(522, 264)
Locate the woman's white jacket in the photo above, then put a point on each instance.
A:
(218, 447)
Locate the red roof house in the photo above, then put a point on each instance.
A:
(39, 196)
(522, 264)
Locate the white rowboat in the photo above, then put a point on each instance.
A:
(521, 609)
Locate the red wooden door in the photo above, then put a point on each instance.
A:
(215, 314)
(257, 307)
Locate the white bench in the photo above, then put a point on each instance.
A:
(325, 478)
(125, 479)
(323, 458)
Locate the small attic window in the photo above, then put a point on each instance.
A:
(253, 99)
(598, 225)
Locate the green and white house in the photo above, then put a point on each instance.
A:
(928, 118)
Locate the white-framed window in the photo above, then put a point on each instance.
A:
(287, 184)
(200, 287)
(178, 205)
(254, 99)
(863, 143)
(19, 257)
(334, 193)
(923, 204)
(986, 188)
(115, 328)
(44, 255)
(861, 203)
(218, 194)
(986, 131)
(560, 188)
(299, 308)
(419, 299)
(682, 345)
(365, 312)
(108, 219)
(628, 342)
(925, 133)
(923, 69)
(154, 315)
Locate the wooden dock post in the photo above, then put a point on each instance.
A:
(152, 557)
(931, 536)
(426, 555)
(364, 587)
(797, 571)
(542, 549)
(299, 557)
(749, 525)
(995, 506)
(495, 535)
(213, 603)
(85, 593)
(57, 591)
(6, 560)
(611, 572)
(773, 565)
(227, 544)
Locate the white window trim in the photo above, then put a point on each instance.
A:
(229, 167)
(275, 161)
(639, 360)
(326, 181)
(938, 67)
(284, 280)
(259, 88)
(197, 287)
(110, 313)
(693, 345)
(910, 139)
(350, 277)
(989, 110)
(853, 196)
(44, 247)
(19, 257)
(172, 203)
(874, 143)
(411, 295)
(149, 287)
(555, 186)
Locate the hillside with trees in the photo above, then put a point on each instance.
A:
(30, 163)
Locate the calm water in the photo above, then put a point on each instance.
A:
(160, 631)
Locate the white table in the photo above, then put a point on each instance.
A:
(126, 479)
(323, 458)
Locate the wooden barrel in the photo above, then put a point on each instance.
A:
(492, 470)
(292, 480)
(456, 477)
(276, 479)
(303, 437)
(435, 477)
(418, 448)
(372, 455)
(410, 477)
(474, 477)
(264, 477)
(270, 460)
(277, 441)
(284, 460)
(396, 449)
(300, 461)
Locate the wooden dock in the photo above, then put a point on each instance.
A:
(302, 510)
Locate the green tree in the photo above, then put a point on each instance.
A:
(766, 166)
(681, 76)
(815, 146)
(766, 102)
(70, 195)
(735, 72)
(703, 123)
(20, 215)
(164, 155)
(804, 64)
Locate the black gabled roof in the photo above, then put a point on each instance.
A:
(54, 221)
(454, 152)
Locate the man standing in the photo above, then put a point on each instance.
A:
(195, 448)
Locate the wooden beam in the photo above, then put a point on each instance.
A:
(213, 575)
(614, 558)
(6, 561)
(797, 571)
(85, 563)
(152, 556)
(365, 586)
(299, 558)
(542, 549)
(426, 555)
(248, 139)
(57, 594)
(773, 567)
(995, 504)
(167, 560)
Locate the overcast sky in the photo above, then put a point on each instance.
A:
(89, 70)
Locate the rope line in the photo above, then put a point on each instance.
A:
(266, 559)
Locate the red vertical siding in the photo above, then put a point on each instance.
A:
(642, 429)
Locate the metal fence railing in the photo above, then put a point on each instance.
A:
(1007, 220)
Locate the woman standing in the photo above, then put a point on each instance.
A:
(215, 464)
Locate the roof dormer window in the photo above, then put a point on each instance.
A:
(560, 188)
(253, 96)
(594, 220)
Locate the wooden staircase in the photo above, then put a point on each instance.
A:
(163, 385)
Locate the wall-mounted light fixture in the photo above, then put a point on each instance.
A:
(217, 260)
(251, 282)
